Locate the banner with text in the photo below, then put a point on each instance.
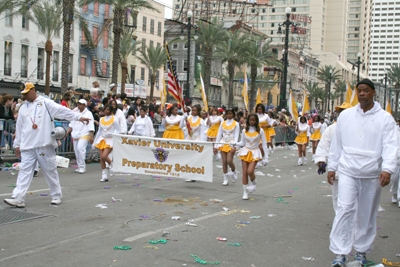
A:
(163, 157)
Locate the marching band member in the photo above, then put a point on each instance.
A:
(143, 126)
(251, 153)
(214, 122)
(228, 133)
(82, 134)
(174, 123)
(272, 132)
(197, 124)
(34, 143)
(104, 141)
(315, 134)
(265, 123)
(302, 139)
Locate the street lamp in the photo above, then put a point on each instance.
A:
(358, 63)
(329, 92)
(386, 79)
(189, 27)
(287, 25)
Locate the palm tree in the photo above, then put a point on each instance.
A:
(154, 58)
(328, 74)
(314, 92)
(258, 53)
(209, 36)
(120, 9)
(232, 49)
(48, 20)
(394, 75)
(127, 48)
(340, 90)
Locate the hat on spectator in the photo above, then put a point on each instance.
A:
(82, 101)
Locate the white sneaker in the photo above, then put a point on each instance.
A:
(394, 199)
(245, 192)
(56, 201)
(35, 173)
(77, 170)
(234, 176)
(300, 162)
(304, 160)
(226, 180)
(312, 158)
(15, 202)
(251, 188)
(111, 169)
(188, 180)
(82, 170)
(104, 177)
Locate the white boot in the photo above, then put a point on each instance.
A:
(304, 160)
(226, 180)
(104, 177)
(265, 160)
(252, 186)
(111, 168)
(245, 192)
(313, 158)
(300, 162)
(234, 176)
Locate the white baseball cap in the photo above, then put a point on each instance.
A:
(82, 101)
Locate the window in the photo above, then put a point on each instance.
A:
(85, 9)
(83, 37)
(105, 40)
(152, 26)
(185, 46)
(142, 71)
(71, 58)
(185, 65)
(95, 33)
(9, 18)
(144, 24)
(25, 23)
(104, 68)
(159, 29)
(158, 44)
(56, 58)
(177, 6)
(40, 64)
(272, 24)
(7, 58)
(93, 68)
(151, 43)
(149, 78)
(175, 46)
(96, 9)
(72, 31)
(106, 10)
(83, 66)
(143, 45)
(24, 61)
(133, 68)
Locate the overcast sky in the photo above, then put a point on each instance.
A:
(168, 10)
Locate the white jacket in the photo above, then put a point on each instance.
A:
(322, 153)
(149, 126)
(40, 112)
(364, 144)
(227, 135)
(120, 117)
(79, 128)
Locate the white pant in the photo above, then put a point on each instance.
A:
(46, 156)
(395, 189)
(355, 221)
(80, 152)
(335, 193)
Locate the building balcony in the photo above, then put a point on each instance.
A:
(55, 77)
(70, 77)
(7, 71)
(40, 75)
(24, 73)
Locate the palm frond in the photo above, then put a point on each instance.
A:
(47, 17)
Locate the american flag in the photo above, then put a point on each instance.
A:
(173, 83)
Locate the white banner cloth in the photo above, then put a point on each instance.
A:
(163, 157)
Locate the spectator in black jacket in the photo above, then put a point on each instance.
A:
(7, 107)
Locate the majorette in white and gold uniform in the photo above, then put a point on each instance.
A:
(316, 131)
(228, 132)
(174, 125)
(302, 134)
(215, 122)
(265, 122)
(198, 129)
(107, 126)
(250, 142)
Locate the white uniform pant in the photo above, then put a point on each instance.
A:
(395, 189)
(80, 152)
(335, 190)
(46, 156)
(355, 220)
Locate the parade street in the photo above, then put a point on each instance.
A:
(294, 206)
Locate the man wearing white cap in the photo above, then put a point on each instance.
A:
(113, 88)
(33, 142)
(82, 133)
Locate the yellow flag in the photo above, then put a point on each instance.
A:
(293, 107)
(163, 91)
(306, 105)
(354, 97)
(245, 92)
(203, 94)
(258, 101)
(349, 93)
(388, 108)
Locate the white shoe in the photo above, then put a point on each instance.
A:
(312, 158)
(111, 169)
(226, 180)
(272, 151)
(251, 188)
(254, 182)
(265, 161)
(77, 170)
(82, 170)
(35, 173)
(304, 160)
(56, 201)
(245, 192)
(394, 199)
(218, 156)
(188, 180)
(300, 162)
(234, 176)
(104, 177)
(15, 202)
(259, 164)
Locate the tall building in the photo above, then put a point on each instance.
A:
(23, 56)
(385, 37)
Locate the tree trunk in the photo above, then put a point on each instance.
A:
(253, 88)
(326, 103)
(124, 67)
(231, 73)
(49, 50)
(68, 15)
(397, 103)
(117, 29)
(152, 84)
(207, 69)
